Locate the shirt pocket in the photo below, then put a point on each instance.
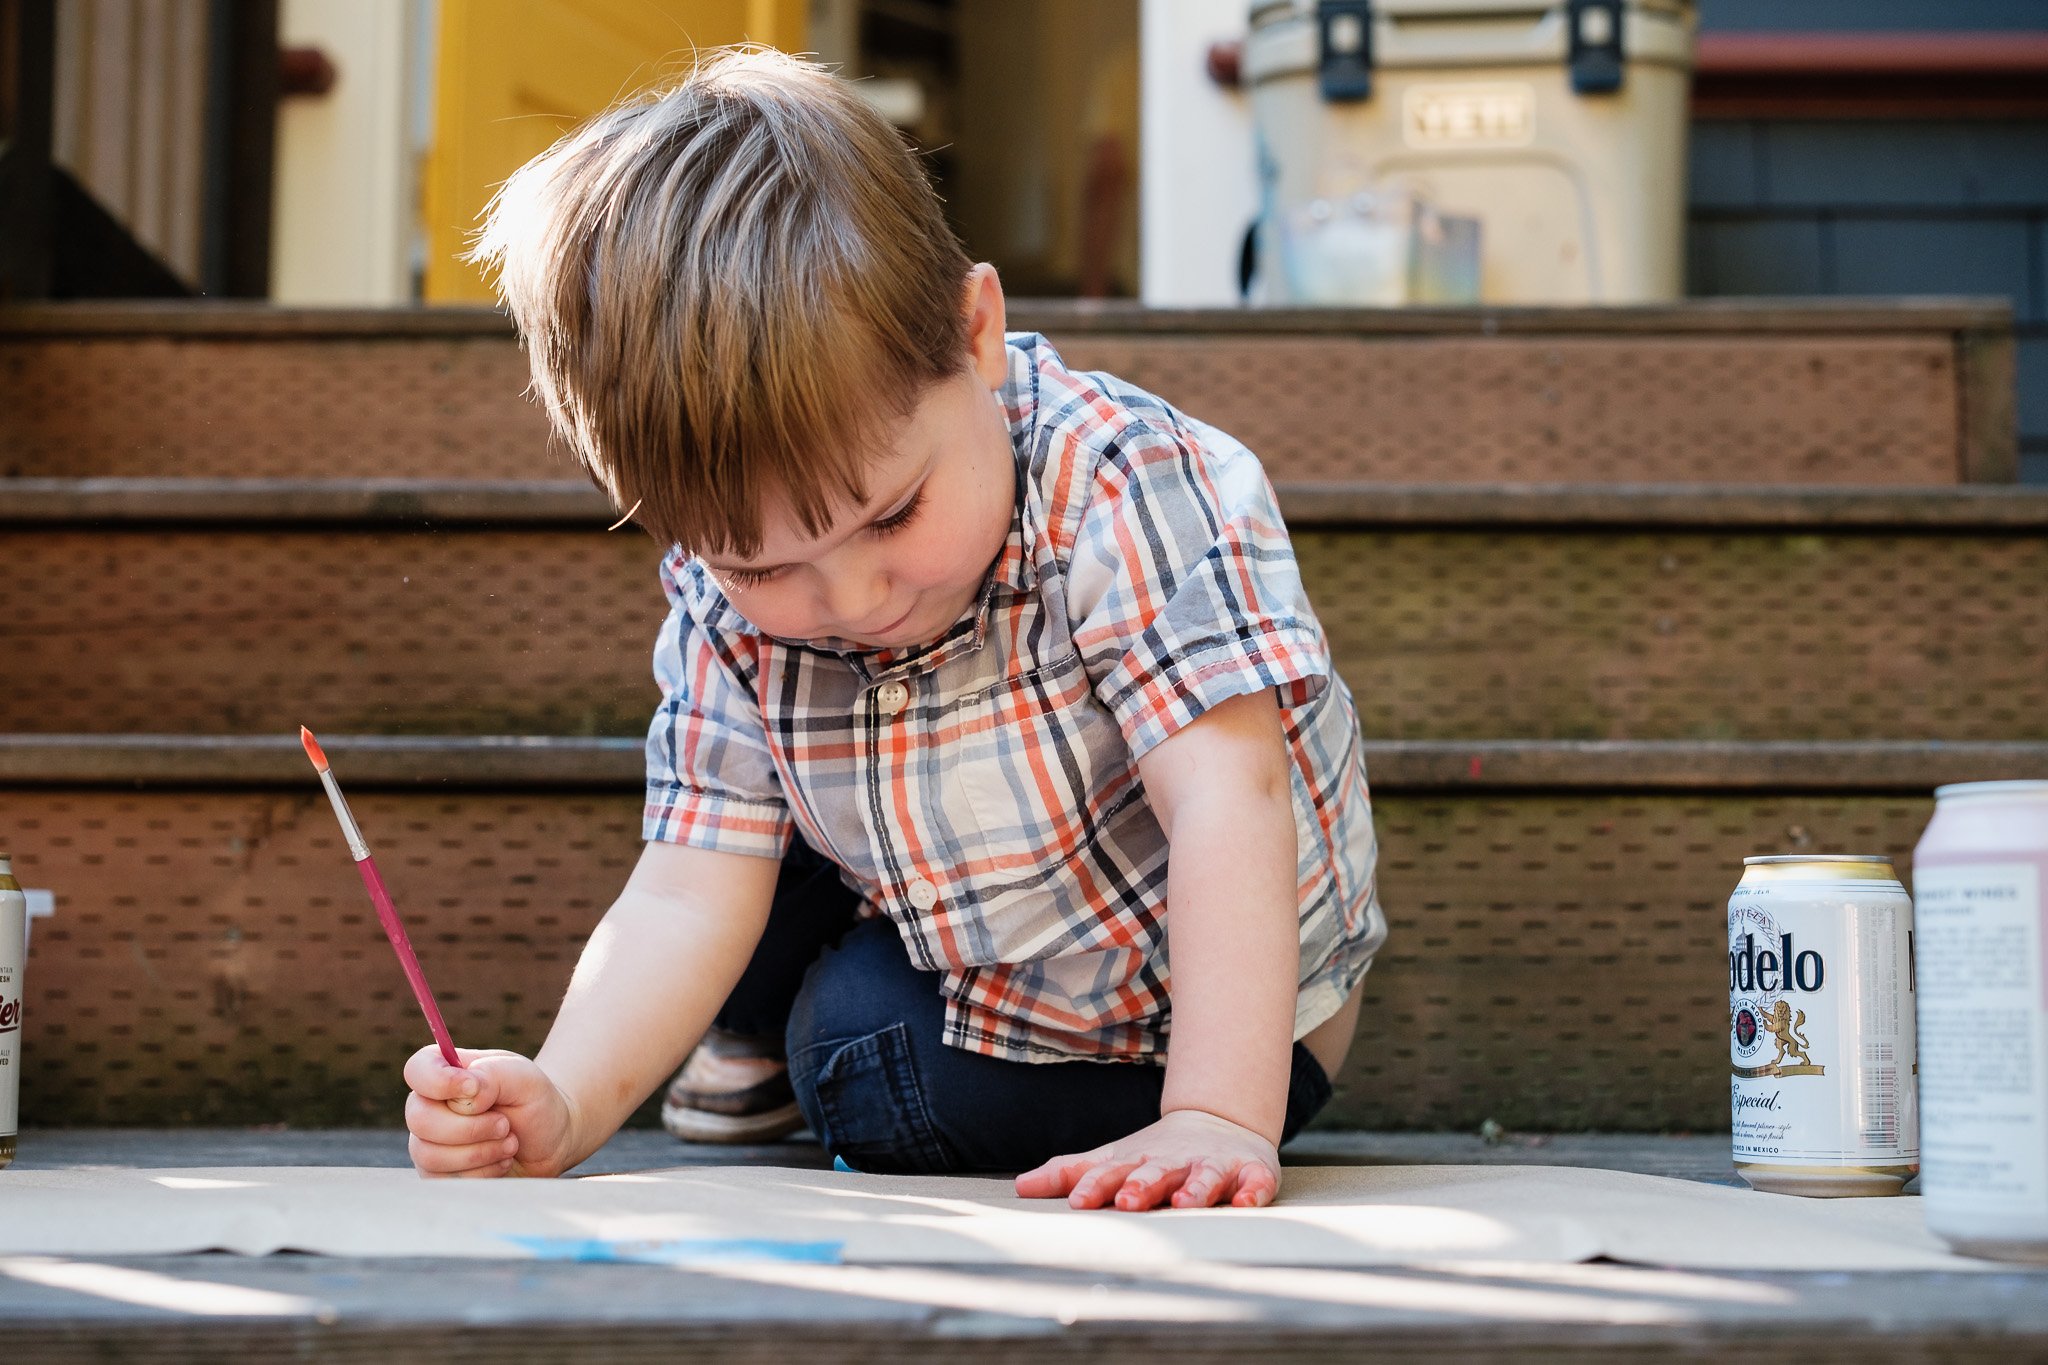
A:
(1037, 768)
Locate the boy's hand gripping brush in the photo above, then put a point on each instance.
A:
(387, 914)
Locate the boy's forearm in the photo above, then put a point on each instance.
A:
(1234, 952)
(654, 973)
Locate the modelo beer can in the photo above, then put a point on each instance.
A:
(1979, 874)
(1820, 1039)
(13, 955)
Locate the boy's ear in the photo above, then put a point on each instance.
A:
(983, 302)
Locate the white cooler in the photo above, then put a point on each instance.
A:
(1463, 151)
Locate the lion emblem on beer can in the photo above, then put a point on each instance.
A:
(1784, 1025)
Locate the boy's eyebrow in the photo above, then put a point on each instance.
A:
(894, 505)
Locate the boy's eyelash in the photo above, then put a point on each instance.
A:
(738, 580)
(899, 520)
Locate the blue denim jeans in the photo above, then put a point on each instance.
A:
(862, 1027)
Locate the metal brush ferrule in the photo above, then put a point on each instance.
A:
(356, 847)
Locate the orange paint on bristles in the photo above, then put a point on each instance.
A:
(313, 750)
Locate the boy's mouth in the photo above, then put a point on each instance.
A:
(881, 634)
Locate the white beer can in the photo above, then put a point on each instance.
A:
(1820, 1032)
(13, 952)
(1980, 874)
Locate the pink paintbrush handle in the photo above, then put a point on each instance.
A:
(387, 914)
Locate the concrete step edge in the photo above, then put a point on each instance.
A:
(1705, 768)
(420, 503)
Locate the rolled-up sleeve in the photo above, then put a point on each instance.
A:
(1183, 588)
(711, 780)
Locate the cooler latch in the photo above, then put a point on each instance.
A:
(1344, 29)
(1595, 46)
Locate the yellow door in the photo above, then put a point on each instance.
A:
(513, 75)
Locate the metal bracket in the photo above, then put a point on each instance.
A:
(1344, 48)
(1596, 57)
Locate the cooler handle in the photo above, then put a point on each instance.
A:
(1594, 48)
(1344, 47)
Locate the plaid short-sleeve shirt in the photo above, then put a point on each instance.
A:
(982, 790)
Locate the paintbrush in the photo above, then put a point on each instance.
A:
(387, 913)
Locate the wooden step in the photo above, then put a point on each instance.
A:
(1454, 612)
(1810, 392)
(1557, 914)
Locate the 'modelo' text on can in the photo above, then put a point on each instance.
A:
(1820, 1026)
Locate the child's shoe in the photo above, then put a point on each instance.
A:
(732, 1089)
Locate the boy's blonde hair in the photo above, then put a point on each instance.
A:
(726, 291)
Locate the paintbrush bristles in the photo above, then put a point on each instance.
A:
(313, 750)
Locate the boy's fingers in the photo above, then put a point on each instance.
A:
(475, 1096)
(1151, 1185)
(426, 1074)
(1055, 1179)
(1099, 1186)
(433, 1158)
(505, 1080)
(1256, 1186)
(481, 1087)
(433, 1121)
(1207, 1182)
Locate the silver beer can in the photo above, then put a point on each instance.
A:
(1820, 1026)
(13, 952)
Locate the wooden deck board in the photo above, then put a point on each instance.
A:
(1874, 392)
(1471, 614)
(534, 763)
(1742, 316)
(382, 503)
(1550, 963)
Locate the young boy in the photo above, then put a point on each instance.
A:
(974, 670)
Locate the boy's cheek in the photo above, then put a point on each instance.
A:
(772, 612)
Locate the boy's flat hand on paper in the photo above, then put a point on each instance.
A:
(1189, 1159)
(499, 1114)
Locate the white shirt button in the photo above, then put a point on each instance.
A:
(892, 697)
(923, 894)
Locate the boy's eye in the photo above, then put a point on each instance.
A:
(896, 521)
(739, 580)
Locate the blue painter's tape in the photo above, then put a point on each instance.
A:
(679, 1250)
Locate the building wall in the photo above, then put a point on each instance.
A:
(1813, 16)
